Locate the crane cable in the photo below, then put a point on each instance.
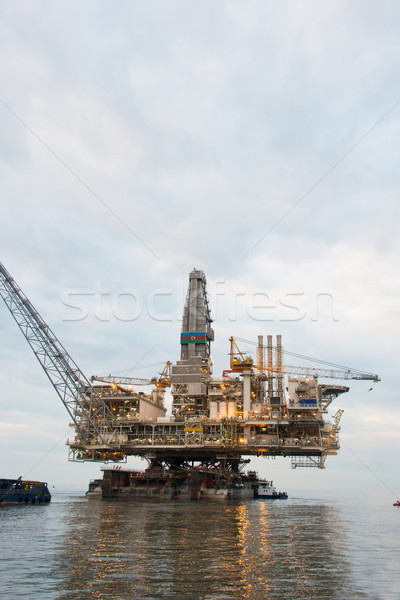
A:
(308, 358)
(45, 454)
(370, 469)
(362, 461)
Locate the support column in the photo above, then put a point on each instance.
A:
(279, 366)
(270, 381)
(246, 394)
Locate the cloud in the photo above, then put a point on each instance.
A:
(201, 128)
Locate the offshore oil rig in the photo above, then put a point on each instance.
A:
(257, 407)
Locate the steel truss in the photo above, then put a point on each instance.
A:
(87, 410)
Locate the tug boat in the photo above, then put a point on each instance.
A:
(19, 491)
(266, 489)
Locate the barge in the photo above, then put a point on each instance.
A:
(194, 483)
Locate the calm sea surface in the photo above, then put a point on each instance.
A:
(302, 548)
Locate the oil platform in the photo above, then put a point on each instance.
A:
(257, 407)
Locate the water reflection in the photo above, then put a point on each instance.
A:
(199, 550)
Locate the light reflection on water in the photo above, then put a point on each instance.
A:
(215, 551)
(298, 549)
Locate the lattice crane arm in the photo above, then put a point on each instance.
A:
(86, 409)
(163, 381)
(330, 370)
(121, 380)
(330, 373)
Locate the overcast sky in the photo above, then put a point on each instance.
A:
(256, 141)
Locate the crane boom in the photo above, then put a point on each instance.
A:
(331, 373)
(331, 370)
(85, 407)
(161, 382)
(121, 380)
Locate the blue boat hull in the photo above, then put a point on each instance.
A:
(18, 491)
(277, 496)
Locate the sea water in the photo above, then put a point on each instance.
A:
(311, 546)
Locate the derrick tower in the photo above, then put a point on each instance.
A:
(190, 375)
(197, 334)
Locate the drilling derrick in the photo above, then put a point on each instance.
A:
(197, 334)
(190, 375)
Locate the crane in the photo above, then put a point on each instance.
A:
(88, 411)
(242, 363)
(332, 371)
(161, 382)
(120, 381)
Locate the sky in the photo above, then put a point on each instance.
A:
(257, 141)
